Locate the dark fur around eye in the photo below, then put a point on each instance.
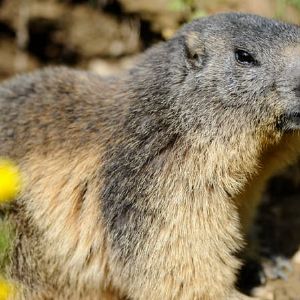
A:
(245, 58)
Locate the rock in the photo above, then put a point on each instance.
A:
(163, 15)
(111, 68)
(94, 33)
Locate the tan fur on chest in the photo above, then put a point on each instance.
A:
(206, 203)
(197, 219)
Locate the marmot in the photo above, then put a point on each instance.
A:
(144, 186)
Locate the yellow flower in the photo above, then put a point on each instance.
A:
(10, 180)
(7, 290)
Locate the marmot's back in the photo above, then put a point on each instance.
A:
(53, 108)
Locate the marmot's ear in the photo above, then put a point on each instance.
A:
(195, 51)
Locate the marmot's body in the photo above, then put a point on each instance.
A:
(143, 187)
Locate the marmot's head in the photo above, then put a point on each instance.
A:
(230, 68)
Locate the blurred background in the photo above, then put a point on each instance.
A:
(105, 36)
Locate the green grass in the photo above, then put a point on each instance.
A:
(6, 237)
(296, 3)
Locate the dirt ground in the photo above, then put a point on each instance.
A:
(105, 36)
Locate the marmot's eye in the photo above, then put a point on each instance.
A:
(244, 58)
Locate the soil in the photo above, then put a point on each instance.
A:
(105, 36)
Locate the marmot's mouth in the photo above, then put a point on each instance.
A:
(289, 121)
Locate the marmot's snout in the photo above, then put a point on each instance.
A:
(289, 88)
